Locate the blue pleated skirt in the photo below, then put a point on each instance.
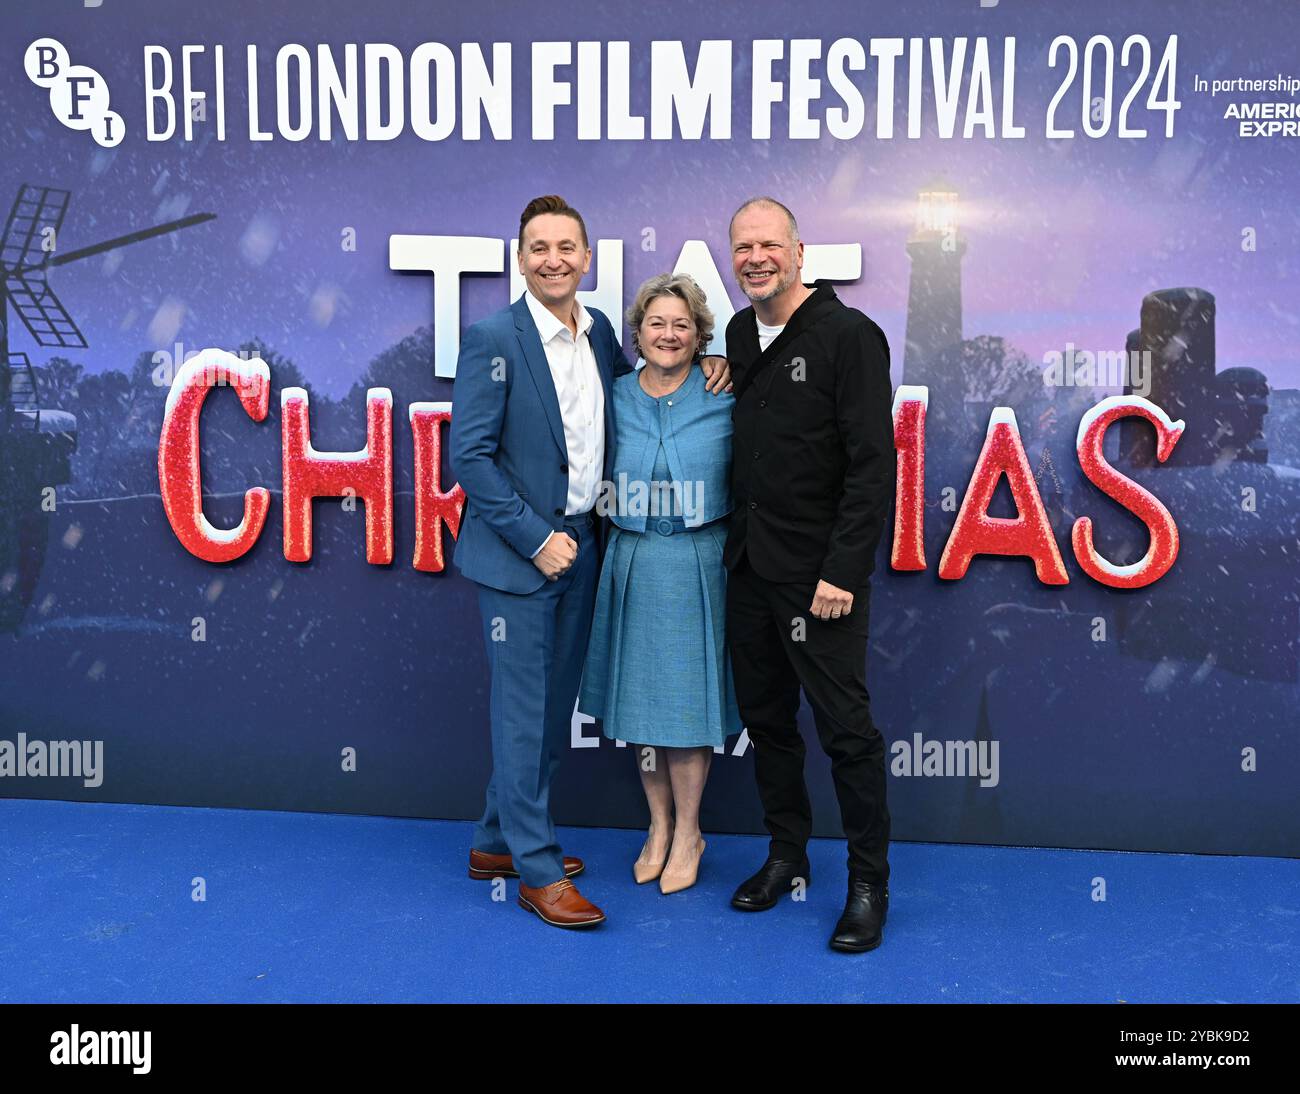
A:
(657, 670)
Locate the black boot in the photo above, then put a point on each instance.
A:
(859, 928)
(766, 887)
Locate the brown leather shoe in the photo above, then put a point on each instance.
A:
(560, 904)
(483, 866)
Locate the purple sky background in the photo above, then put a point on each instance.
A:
(1063, 237)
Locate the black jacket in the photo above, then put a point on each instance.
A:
(813, 450)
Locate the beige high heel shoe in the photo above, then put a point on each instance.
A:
(674, 881)
(647, 871)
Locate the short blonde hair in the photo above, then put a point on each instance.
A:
(682, 286)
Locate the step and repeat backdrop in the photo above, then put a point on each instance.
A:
(1075, 224)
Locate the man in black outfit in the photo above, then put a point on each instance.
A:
(812, 472)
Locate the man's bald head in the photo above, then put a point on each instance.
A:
(767, 203)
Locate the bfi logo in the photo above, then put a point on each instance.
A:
(78, 94)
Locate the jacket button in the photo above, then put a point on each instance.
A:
(753, 505)
(762, 402)
(564, 469)
(559, 512)
(756, 454)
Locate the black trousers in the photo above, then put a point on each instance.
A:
(777, 645)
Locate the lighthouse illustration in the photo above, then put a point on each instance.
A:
(934, 292)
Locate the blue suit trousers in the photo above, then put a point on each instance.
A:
(536, 643)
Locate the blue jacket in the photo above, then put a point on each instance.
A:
(507, 444)
(695, 428)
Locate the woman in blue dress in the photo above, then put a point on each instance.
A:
(661, 599)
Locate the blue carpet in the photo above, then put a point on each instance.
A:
(96, 907)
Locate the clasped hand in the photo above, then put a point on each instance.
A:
(830, 602)
(557, 556)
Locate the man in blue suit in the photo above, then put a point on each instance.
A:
(532, 438)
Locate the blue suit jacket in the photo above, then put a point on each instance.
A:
(507, 444)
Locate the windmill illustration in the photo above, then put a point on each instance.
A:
(36, 445)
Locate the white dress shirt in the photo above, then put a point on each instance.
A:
(582, 402)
